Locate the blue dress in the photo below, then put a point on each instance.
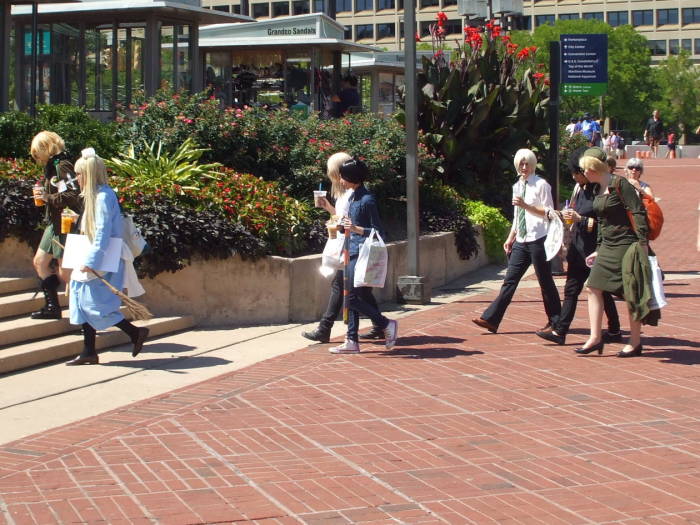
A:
(92, 302)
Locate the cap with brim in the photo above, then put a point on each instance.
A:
(354, 171)
(596, 152)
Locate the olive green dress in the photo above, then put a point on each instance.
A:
(615, 233)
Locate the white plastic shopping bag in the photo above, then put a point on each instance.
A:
(132, 235)
(332, 257)
(658, 298)
(372, 261)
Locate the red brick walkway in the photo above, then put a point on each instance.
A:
(453, 426)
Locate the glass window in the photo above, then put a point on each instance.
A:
(130, 42)
(697, 46)
(666, 16)
(343, 5)
(674, 46)
(183, 77)
(618, 18)
(386, 30)
(424, 28)
(223, 8)
(445, 3)
(385, 4)
(261, 10)
(643, 17)
(687, 45)
(237, 9)
(594, 16)
(544, 19)
(347, 33)
(280, 8)
(364, 5)
(300, 7)
(691, 15)
(429, 3)
(657, 47)
(364, 31)
(568, 16)
(319, 6)
(453, 27)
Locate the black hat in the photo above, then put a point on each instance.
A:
(574, 159)
(354, 170)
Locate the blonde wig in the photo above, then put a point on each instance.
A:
(528, 156)
(94, 173)
(45, 145)
(587, 162)
(334, 163)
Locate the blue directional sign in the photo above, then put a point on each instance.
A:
(584, 64)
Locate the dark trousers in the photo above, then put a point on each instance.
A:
(576, 274)
(521, 257)
(335, 302)
(361, 301)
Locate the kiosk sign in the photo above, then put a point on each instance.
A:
(584, 64)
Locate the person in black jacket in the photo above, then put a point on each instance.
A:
(583, 242)
(60, 191)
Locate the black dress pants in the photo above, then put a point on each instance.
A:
(521, 257)
(335, 302)
(576, 274)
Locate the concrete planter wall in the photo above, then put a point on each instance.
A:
(269, 290)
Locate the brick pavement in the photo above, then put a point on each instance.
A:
(453, 426)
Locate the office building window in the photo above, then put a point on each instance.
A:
(429, 3)
(523, 23)
(363, 31)
(544, 19)
(445, 3)
(674, 46)
(385, 4)
(343, 5)
(261, 10)
(424, 28)
(666, 16)
(643, 17)
(237, 9)
(319, 6)
(687, 45)
(386, 31)
(618, 18)
(364, 5)
(347, 32)
(691, 15)
(598, 15)
(223, 8)
(300, 7)
(697, 46)
(657, 47)
(453, 27)
(280, 8)
(568, 16)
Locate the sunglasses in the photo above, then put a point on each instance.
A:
(635, 168)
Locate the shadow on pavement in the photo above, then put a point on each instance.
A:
(161, 348)
(171, 364)
(417, 340)
(680, 356)
(424, 353)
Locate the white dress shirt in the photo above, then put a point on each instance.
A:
(538, 193)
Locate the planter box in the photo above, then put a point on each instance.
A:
(269, 290)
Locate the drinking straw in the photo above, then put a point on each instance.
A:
(566, 204)
(320, 186)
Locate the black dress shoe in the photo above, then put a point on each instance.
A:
(485, 324)
(598, 347)
(636, 351)
(551, 336)
(546, 328)
(374, 333)
(140, 339)
(612, 337)
(84, 360)
(321, 336)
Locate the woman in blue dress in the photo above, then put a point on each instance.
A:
(92, 304)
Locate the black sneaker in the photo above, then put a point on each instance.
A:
(612, 337)
(374, 333)
(318, 335)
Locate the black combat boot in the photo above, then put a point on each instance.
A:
(52, 309)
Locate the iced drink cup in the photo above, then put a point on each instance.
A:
(66, 222)
(38, 190)
(318, 195)
(332, 229)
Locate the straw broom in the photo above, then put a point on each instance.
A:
(136, 310)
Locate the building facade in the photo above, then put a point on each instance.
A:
(669, 25)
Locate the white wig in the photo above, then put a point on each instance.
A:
(528, 156)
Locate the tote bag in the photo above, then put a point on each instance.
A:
(658, 298)
(132, 235)
(372, 262)
(333, 254)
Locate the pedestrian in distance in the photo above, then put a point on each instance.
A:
(342, 196)
(654, 132)
(59, 191)
(581, 219)
(92, 304)
(671, 145)
(532, 202)
(362, 217)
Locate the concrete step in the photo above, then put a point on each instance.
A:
(34, 353)
(15, 330)
(18, 284)
(23, 303)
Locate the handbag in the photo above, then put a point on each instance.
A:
(372, 262)
(658, 298)
(333, 254)
(555, 237)
(132, 236)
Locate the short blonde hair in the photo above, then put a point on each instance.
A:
(592, 163)
(527, 155)
(333, 164)
(45, 145)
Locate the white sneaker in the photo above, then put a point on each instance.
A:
(348, 347)
(391, 332)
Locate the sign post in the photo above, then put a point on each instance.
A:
(584, 64)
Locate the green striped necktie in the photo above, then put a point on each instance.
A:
(522, 228)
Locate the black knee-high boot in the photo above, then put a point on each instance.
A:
(137, 334)
(89, 354)
(52, 309)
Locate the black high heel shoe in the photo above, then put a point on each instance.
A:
(596, 347)
(636, 351)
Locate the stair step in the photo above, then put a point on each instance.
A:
(34, 353)
(18, 284)
(23, 303)
(21, 329)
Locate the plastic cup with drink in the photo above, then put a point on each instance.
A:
(38, 191)
(319, 195)
(67, 220)
(568, 214)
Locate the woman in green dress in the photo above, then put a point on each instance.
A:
(615, 236)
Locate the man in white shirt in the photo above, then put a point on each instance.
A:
(532, 200)
(571, 127)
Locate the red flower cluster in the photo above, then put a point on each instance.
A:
(473, 37)
(494, 29)
(526, 52)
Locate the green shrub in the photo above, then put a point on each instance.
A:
(494, 225)
(16, 129)
(19, 216)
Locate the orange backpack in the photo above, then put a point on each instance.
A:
(655, 217)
